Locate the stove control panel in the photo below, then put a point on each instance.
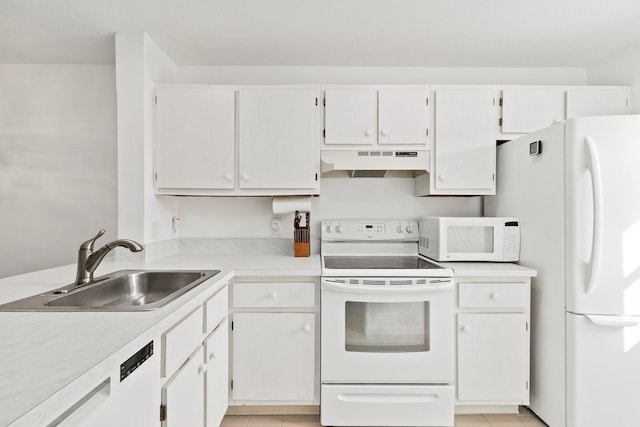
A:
(369, 230)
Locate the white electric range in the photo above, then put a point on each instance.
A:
(387, 328)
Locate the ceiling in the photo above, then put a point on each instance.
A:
(429, 33)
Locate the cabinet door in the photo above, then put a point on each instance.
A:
(273, 356)
(183, 394)
(217, 375)
(597, 102)
(529, 110)
(403, 116)
(277, 138)
(351, 116)
(195, 137)
(465, 145)
(493, 357)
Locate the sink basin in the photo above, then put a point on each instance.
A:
(125, 290)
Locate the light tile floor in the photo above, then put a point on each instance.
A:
(524, 419)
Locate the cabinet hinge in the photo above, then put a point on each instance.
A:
(316, 177)
(231, 384)
(500, 121)
(155, 99)
(163, 412)
(493, 177)
(427, 101)
(427, 132)
(324, 133)
(627, 102)
(232, 326)
(526, 326)
(155, 176)
(324, 102)
(526, 385)
(500, 103)
(316, 101)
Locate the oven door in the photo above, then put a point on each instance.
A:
(387, 333)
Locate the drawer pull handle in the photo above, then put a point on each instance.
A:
(495, 295)
(307, 328)
(273, 295)
(466, 328)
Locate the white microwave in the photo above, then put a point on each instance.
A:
(469, 238)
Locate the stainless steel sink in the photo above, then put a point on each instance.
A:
(125, 290)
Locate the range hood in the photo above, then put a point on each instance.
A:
(374, 163)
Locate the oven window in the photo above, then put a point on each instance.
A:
(378, 327)
(477, 240)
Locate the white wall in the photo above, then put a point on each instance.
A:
(142, 216)
(341, 198)
(621, 68)
(57, 162)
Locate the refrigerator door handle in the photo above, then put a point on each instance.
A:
(593, 165)
(613, 321)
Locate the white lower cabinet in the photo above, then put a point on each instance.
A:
(183, 394)
(196, 387)
(274, 356)
(275, 349)
(216, 351)
(492, 344)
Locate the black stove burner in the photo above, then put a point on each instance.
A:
(378, 263)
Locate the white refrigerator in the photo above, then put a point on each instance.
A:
(578, 202)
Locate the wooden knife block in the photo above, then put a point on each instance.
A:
(301, 243)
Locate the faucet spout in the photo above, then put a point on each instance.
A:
(88, 260)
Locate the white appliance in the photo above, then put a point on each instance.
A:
(387, 329)
(575, 187)
(469, 238)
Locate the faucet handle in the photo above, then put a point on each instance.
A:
(89, 243)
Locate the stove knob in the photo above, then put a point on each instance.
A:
(399, 228)
(409, 229)
(328, 228)
(339, 228)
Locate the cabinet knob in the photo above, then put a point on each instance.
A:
(383, 132)
(212, 355)
(273, 295)
(367, 132)
(202, 368)
(307, 328)
(466, 328)
(228, 177)
(244, 177)
(495, 295)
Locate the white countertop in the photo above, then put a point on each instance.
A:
(489, 269)
(50, 356)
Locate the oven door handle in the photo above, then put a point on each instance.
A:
(332, 285)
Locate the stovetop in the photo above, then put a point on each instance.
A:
(378, 262)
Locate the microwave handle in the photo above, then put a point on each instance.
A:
(332, 285)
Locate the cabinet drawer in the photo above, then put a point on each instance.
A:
(216, 308)
(180, 341)
(274, 294)
(493, 295)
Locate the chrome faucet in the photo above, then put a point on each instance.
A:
(88, 260)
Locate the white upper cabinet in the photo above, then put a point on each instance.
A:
(403, 116)
(237, 141)
(465, 142)
(195, 137)
(529, 109)
(277, 137)
(377, 116)
(351, 116)
(605, 101)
